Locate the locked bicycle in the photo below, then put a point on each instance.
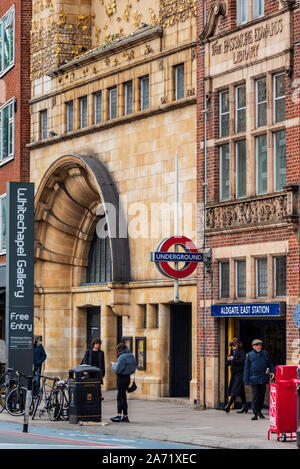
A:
(6, 384)
(59, 403)
(16, 398)
(45, 397)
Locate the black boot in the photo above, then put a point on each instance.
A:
(243, 409)
(227, 407)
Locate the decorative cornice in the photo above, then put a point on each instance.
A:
(216, 9)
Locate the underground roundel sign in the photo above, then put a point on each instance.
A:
(167, 257)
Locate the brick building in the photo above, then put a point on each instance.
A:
(248, 154)
(15, 25)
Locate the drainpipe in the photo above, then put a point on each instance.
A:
(204, 214)
(298, 369)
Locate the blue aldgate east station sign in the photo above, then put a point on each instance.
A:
(246, 310)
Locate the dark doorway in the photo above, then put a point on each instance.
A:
(271, 332)
(180, 349)
(93, 324)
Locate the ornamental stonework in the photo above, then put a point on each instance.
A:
(245, 214)
(176, 11)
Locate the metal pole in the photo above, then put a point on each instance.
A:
(176, 281)
(298, 369)
(204, 214)
(27, 405)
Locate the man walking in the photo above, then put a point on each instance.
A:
(255, 374)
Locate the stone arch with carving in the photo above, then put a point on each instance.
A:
(72, 192)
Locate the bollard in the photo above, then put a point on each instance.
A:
(27, 405)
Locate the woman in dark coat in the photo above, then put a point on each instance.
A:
(236, 361)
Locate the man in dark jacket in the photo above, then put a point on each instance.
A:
(95, 357)
(255, 374)
(39, 356)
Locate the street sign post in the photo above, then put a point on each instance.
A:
(19, 276)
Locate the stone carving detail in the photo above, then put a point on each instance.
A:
(259, 211)
(288, 3)
(216, 9)
(176, 11)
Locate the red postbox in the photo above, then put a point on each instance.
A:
(283, 403)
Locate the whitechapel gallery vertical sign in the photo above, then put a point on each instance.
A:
(19, 276)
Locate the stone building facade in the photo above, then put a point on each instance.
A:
(248, 158)
(15, 26)
(113, 101)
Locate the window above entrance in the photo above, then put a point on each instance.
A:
(99, 267)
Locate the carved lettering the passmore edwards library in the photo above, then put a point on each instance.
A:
(244, 46)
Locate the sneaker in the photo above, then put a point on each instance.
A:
(125, 419)
(261, 415)
(116, 419)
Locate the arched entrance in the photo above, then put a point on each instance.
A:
(74, 195)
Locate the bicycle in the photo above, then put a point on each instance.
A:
(44, 395)
(5, 386)
(59, 401)
(16, 398)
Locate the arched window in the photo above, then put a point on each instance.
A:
(99, 268)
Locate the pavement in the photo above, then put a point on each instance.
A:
(173, 420)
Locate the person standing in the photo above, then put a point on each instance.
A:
(125, 366)
(39, 356)
(94, 356)
(236, 361)
(255, 374)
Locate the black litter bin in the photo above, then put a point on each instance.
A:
(85, 394)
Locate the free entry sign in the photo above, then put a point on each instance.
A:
(19, 276)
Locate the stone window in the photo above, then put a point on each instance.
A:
(224, 113)
(43, 124)
(258, 8)
(7, 40)
(279, 98)
(144, 90)
(97, 107)
(7, 131)
(128, 97)
(249, 10)
(240, 278)
(99, 266)
(240, 149)
(70, 115)
(279, 160)
(262, 277)
(261, 102)
(240, 113)
(280, 276)
(224, 279)
(261, 164)
(83, 111)
(179, 81)
(241, 11)
(224, 172)
(3, 222)
(113, 102)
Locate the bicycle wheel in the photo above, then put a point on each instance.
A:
(54, 405)
(64, 414)
(2, 397)
(36, 404)
(16, 400)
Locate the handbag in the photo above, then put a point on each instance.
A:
(133, 387)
